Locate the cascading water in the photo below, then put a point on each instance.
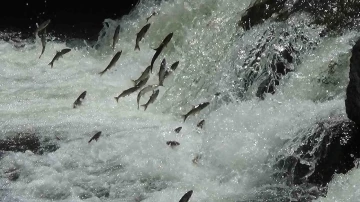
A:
(243, 135)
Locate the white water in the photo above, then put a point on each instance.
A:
(131, 160)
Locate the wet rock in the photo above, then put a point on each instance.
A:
(352, 101)
(334, 14)
(21, 142)
(328, 148)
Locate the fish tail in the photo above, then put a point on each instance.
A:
(101, 73)
(137, 47)
(51, 64)
(117, 99)
(145, 106)
(185, 117)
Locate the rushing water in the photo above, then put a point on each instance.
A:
(131, 161)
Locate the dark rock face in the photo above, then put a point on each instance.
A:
(330, 147)
(21, 142)
(334, 14)
(352, 101)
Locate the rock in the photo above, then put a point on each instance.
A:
(352, 101)
(334, 14)
(329, 147)
(21, 142)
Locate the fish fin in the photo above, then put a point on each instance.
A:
(133, 82)
(156, 49)
(137, 47)
(117, 99)
(51, 64)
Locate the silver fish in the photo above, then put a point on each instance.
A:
(79, 100)
(196, 109)
(143, 75)
(112, 62)
(201, 124)
(140, 35)
(162, 72)
(151, 100)
(145, 90)
(42, 26)
(127, 92)
(160, 48)
(43, 42)
(116, 36)
(186, 196)
(172, 68)
(58, 55)
(95, 137)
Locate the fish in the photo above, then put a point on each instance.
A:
(160, 48)
(162, 72)
(196, 109)
(79, 100)
(145, 90)
(152, 99)
(112, 62)
(201, 124)
(116, 36)
(172, 68)
(127, 92)
(95, 137)
(172, 143)
(58, 55)
(144, 74)
(43, 42)
(143, 82)
(152, 14)
(140, 35)
(42, 26)
(186, 196)
(178, 129)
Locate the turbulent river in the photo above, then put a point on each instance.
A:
(242, 135)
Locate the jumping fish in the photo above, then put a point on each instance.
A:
(127, 92)
(140, 35)
(201, 124)
(162, 72)
(178, 129)
(172, 68)
(112, 62)
(196, 109)
(95, 137)
(145, 90)
(42, 26)
(186, 196)
(58, 55)
(172, 143)
(160, 48)
(43, 42)
(116, 36)
(152, 99)
(79, 100)
(145, 74)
